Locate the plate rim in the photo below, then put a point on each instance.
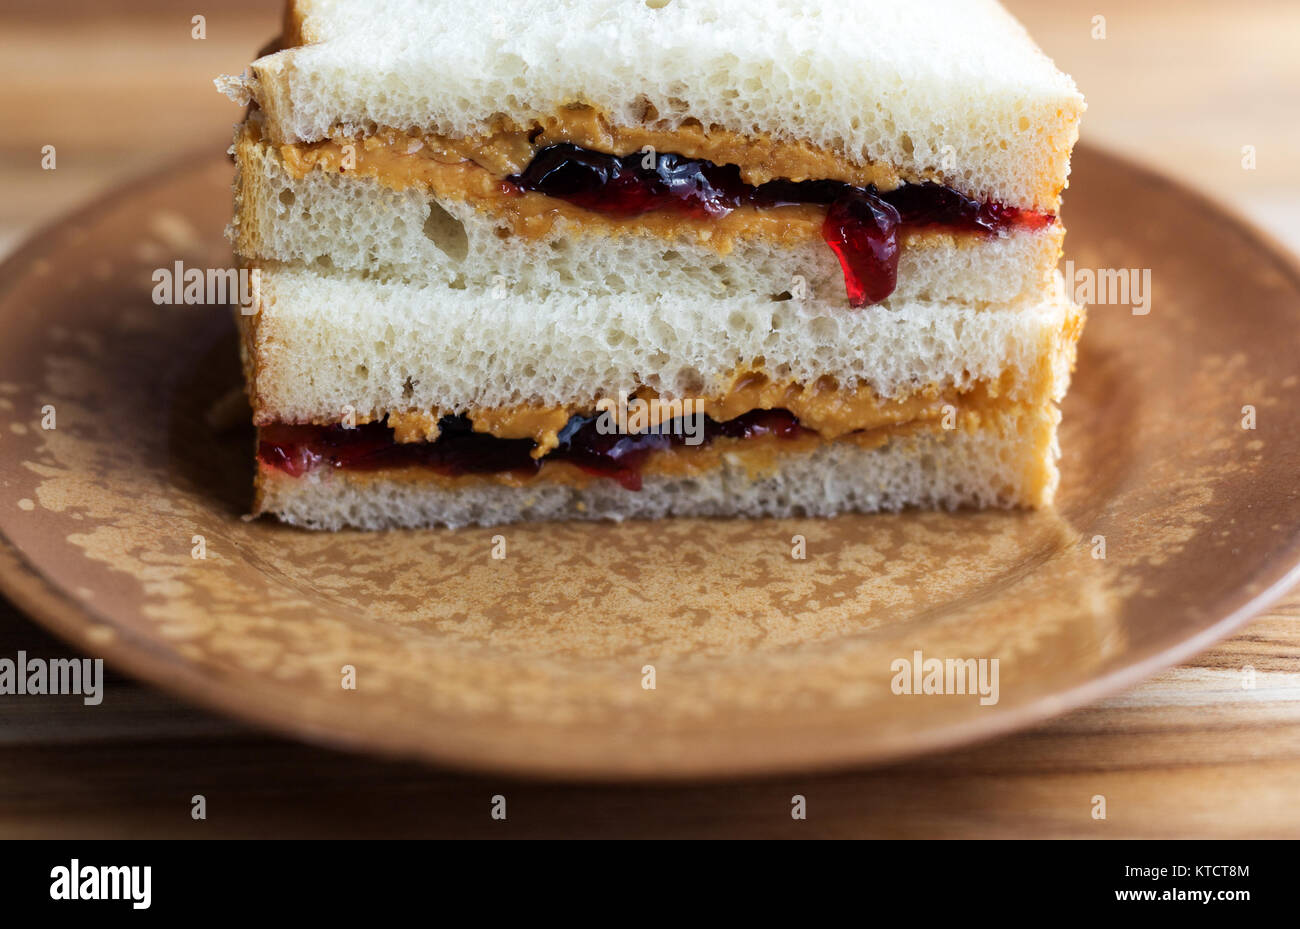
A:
(55, 609)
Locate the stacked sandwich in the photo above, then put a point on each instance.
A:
(810, 247)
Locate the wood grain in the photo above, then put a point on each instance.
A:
(121, 88)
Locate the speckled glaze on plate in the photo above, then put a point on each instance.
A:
(534, 663)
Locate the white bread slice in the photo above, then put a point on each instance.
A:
(1009, 463)
(952, 90)
(323, 345)
(355, 223)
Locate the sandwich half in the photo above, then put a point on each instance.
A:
(690, 257)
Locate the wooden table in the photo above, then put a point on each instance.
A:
(121, 88)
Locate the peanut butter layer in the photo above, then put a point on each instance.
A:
(506, 147)
(832, 412)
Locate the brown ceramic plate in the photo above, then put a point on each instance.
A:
(534, 663)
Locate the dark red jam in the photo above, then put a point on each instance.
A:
(862, 231)
(458, 449)
(861, 224)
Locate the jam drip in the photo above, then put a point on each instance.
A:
(862, 231)
(458, 450)
(861, 224)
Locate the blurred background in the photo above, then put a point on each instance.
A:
(121, 88)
